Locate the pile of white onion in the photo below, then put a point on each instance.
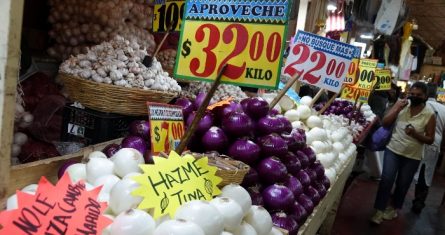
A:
(223, 92)
(77, 24)
(22, 119)
(119, 62)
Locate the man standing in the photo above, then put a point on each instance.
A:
(425, 173)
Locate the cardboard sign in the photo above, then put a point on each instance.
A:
(175, 180)
(441, 95)
(248, 36)
(322, 62)
(366, 74)
(166, 12)
(382, 80)
(66, 208)
(166, 126)
(351, 77)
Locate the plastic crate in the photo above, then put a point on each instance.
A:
(91, 127)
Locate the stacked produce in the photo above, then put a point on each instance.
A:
(119, 62)
(223, 92)
(78, 24)
(284, 177)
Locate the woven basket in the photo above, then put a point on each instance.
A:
(112, 98)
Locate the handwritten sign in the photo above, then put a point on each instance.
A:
(65, 208)
(383, 80)
(322, 62)
(166, 126)
(366, 75)
(441, 95)
(351, 77)
(166, 12)
(248, 36)
(175, 180)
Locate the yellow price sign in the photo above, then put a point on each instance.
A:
(366, 75)
(168, 12)
(383, 79)
(166, 127)
(352, 72)
(441, 94)
(353, 93)
(248, 37)
(173, 181)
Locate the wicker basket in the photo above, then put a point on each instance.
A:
(112, 98)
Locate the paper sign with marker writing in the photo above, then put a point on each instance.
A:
(351, 74)
(66, 208)
(322, 62)
(166, 126)
(382, 80)
(173, 181)
(167, 12)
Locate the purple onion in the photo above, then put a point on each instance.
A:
(64, 166)
(304, 178)
(269, 124)
(312, 174)
(244, 103)
(303, 159)
(292, 163)
(187, 106)
(286, 123)
(256, 108)
(237, 124)
(294, 185)
(245, 151)
(300, 138)
(230, 108)
(214, 139)
(277, 197)
(271, 170)
(320, 188)
(111, 149)
(251, 178)
(313, 194)
(299, 213)
(273, 112)
(281, 220)
(199, 100)
(310, 154)
(292, 144)
(140, 128)
(134, 142)
(272, 145)
(318, 168)
(306, 202)
(204, 124)
(326, 182)
(255, 195)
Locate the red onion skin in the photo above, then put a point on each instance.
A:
(199, 100)
(251, 178)
(312, 174)
(272, 145)
(313, 194)
(303, 159)
(310, 154)
(134, 142)
(304, 178)
(320, 188)
(300, 138)
(63, 167)
(255, 195)
(257, 108)
(306, 202)
(281, 220)
(269, 124)
(292, 144)
(319, 169)
(111, 149)
(187, 106)
(292, 163)
(294, 185)
(204, 124)
(244, 103)
(326, 182)
(277, 197)
(271, 170)
(287, 125)
(237, 124)
(214, 139)
(273, 112)
(299, 213)
(140, 128)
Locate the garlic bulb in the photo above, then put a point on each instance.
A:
(224, 91)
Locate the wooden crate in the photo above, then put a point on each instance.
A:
(30, 173)
(324, 213)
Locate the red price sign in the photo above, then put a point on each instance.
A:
(166, 127)
(320, 61)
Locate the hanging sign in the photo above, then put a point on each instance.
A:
(248, 36)
(167, 12)
(350, 77)
(382, 80)
(66, 208)
(441, 95)
(166, 126)
(322, 62)
(173, 181)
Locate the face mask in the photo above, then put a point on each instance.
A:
(415, 101)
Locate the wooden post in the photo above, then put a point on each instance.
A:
(317, 96)
(11, 16)
(199, 114)
(326, 106)
(284, 90)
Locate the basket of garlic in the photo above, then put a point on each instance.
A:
(111, 77)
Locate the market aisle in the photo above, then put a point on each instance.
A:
(357, 207)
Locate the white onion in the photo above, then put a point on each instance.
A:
(133, 222)
(230, 210)
(20, 138)
(226, 233)
(239, 194)
(306, 100)
(202, 213)
(260, 220)
(304, 111)
(127, 161)
(121, 198)
(162, 219)
(96, 154)
(275, 231)
(77, 172)
(32, 188)
(338, 147)
(97, 167)
(314, 121)
(107, 182)
(131, 175)
(245, 229)
(331, 174)
(292, 115)
(178, 227)
(12, 202)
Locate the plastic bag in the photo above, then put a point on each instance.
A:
(380, 138)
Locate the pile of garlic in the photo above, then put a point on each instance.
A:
(77, 24)
(119, 62)
(167, 58)
(223, 92)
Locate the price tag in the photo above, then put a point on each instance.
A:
(383, 80)
(441, 95)
(353, 93)
(64, 208)
(322, 62)
(166, 127)
(173, 181)
(247, 36)
(351, 77)
(166, 12)
(366, 74)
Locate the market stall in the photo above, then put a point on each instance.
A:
(137, 94)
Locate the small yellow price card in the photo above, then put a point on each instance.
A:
(247, 36)
(166, 127)
(383, 80)
(441, 94)
(350, 77)
(173, 181)
(366, 75)
(168, 12)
